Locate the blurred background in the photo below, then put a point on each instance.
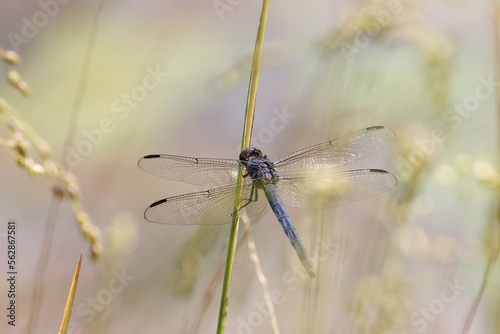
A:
(172, 77)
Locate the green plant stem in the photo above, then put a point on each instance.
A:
(245, 143)
(254, 79)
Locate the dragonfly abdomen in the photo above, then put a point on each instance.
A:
(283, 217)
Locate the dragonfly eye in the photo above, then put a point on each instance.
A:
(250, 153)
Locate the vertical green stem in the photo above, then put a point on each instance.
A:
(245, 143)
(254, 79)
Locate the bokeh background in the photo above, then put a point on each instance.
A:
(414, 260)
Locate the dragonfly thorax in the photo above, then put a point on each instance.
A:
(258, 166)
(262, 170)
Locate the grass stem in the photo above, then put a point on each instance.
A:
(245, 143)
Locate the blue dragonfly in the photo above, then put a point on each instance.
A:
(303, 179)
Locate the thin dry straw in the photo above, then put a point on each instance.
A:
(82, 85)
(479, 296)
(494, 254)
(245, 143)
(260, 275)
(42, 263)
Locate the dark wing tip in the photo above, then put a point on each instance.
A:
(158, 203)
(150, 207)
(381, 127)
(377, 127)
(379, 171)
(391, 176)
(151, 156)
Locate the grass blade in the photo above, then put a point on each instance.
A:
(63, 328)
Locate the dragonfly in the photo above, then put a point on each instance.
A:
(307, 178)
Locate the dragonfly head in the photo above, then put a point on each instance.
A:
(251, 153)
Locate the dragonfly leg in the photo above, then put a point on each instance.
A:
(254, 191)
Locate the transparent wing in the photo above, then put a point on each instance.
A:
(338, 152)
(326, 190)
(211, 207)
(199, 171)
